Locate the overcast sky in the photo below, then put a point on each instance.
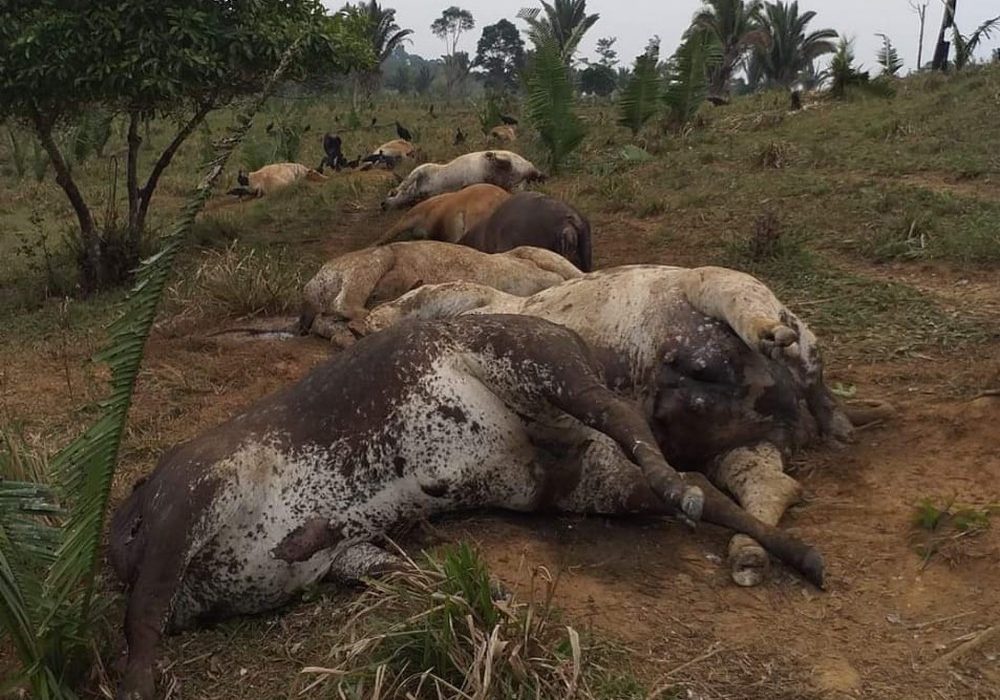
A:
(635, 21)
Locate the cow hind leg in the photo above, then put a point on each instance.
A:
(756, 479)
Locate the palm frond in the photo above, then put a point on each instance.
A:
(640, 97)
(687, 81)
(550, 102)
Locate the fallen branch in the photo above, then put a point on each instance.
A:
(966, 648)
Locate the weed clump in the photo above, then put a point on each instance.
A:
(445, 630)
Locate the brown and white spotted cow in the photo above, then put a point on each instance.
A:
(424, 418)
(727, 376)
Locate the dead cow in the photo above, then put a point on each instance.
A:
(728, 377)
(348, 285)
(273, 177)
(531, 218)
(501, 168)
(389, 154)
(448, 217)
(505, 133)
(427, 418)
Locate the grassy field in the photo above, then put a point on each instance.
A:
(878, 220)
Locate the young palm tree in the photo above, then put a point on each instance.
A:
(737, 27)
(791, 49)
(965, 46)
(565, 21)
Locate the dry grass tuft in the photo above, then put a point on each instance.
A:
(444, 631)
(241, 282)
(774, 154)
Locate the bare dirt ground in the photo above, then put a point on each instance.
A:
(878, 630)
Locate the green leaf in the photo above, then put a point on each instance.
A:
(640, 99)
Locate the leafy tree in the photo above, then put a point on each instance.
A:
(550, 102)
(424, 79)
(562, 21)
(791, 49)
(52, 515)
(176, 59)
(687, 77)
(400, 79)
(597, 79)
(452, 23)
(641, 96)
(736, 26)
(965, 46)
(456, 70)
(500, 53)
(607, 55)
(888, 57)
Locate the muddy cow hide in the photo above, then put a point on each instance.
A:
(504, 169)
(345, 287)
(729, 379)
(535, 219)
(425, 418)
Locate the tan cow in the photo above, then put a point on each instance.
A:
(347, 286)
(505, 133)
(274, 177)
(448, 217)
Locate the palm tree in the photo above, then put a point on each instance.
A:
(965, 46)
(791, 49)
(737, 27)
(383, 33)
(565, 21)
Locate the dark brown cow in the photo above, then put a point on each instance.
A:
(531, 218)
(424, 418)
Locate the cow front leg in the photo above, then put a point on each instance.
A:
(755, 477)
(605, 482)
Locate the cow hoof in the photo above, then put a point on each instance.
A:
(748, 561)
(771, 332)
(692, 503)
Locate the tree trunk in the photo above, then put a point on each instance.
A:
(132, 187)
(90, 259)
(920, 46)
(940, 61)
(145, 195)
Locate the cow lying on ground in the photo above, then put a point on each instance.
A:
(501, 168)
(273, 177)
(727, 376)
(532, 218)
(488, 411)
(348, 285)
(448, 217)
(505, 133)
(389, 154)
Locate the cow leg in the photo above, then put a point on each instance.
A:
(150, 604)
(607, 483)
(360, 280)
(363, 561)
(756, 479)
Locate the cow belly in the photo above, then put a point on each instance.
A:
(452, 445)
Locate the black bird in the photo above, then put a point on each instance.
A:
(334, 157)
(459, 136)
(403, 132)
(374, 121)
(430, 111)
(510, 121)
(269, 127)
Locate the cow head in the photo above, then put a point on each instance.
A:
(410, 190)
